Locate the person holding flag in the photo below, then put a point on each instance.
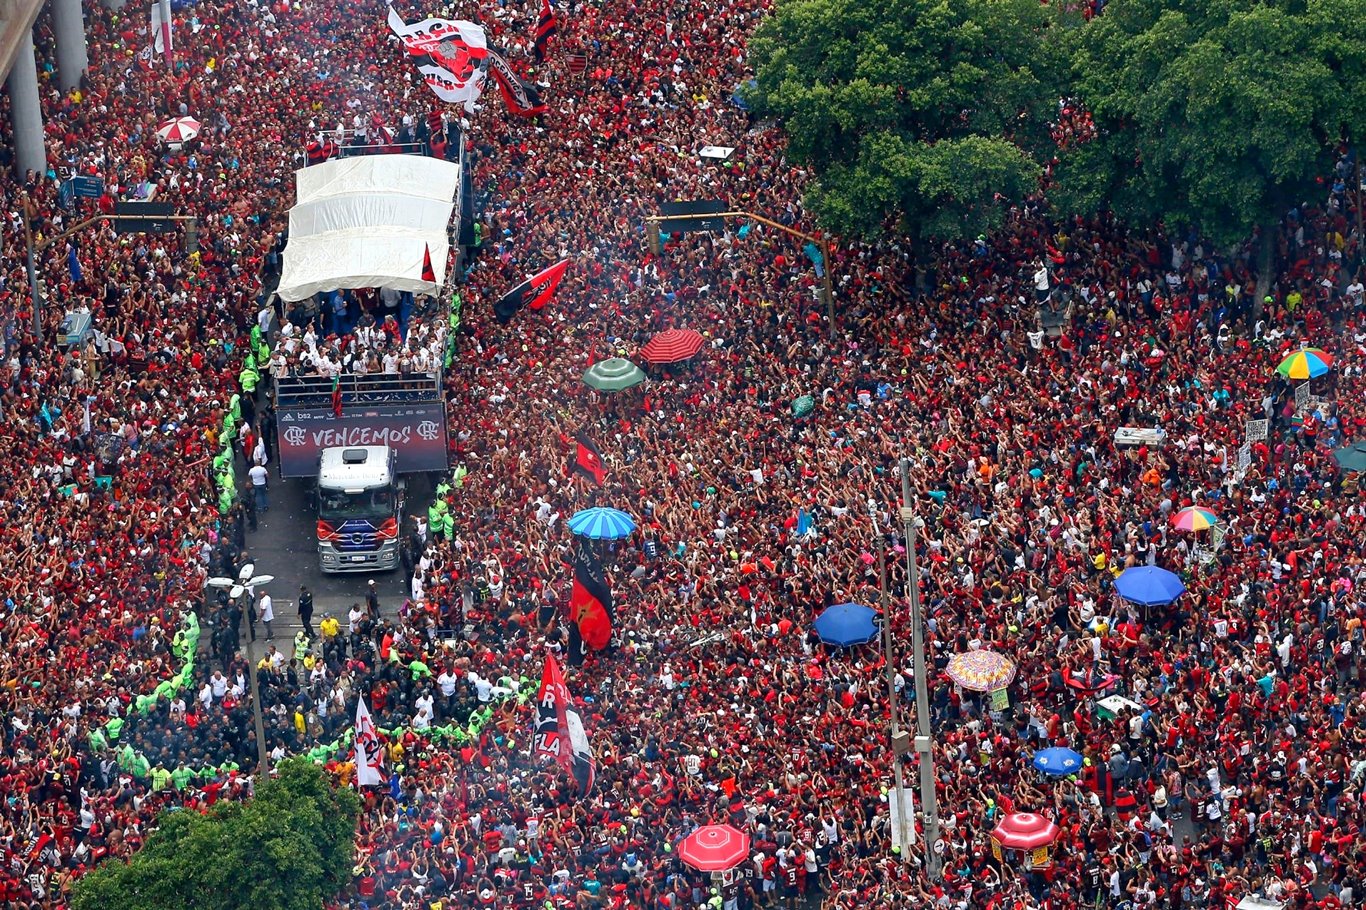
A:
(369, 749)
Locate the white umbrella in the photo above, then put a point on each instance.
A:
(179, 129)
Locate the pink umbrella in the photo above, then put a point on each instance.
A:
(1025, 831)
(714, 848)
(179, 129)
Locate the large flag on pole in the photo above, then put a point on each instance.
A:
(545, 27)
(369, 750)
(161, 32)
(535, 292)
(450, 54)
(590, 599)
(520, 96)
(588, 459)
(559, 734)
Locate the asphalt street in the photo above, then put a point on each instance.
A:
(284, 544)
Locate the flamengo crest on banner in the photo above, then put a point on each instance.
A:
(451, 55)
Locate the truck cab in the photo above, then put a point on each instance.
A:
(360, 508)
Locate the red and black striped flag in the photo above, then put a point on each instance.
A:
(535, 292)
(521, 97)
(545, 27)
(588, 460)
(590, 600)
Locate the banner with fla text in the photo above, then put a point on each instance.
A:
(559, 734)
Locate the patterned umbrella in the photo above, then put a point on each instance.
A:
(981, 671)
(179, 129)
(599, 523)
(613, 375)
(803, 406)
(672, 345)
(1305, 364)
(1057, 761)
(1194, 518)
(714, 848)
(1025, 831)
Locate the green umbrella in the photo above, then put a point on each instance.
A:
(614, 375)
(1352, 457)
(803, 406)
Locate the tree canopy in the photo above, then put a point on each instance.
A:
(288, 848)
(1219, 113)
(922, 115)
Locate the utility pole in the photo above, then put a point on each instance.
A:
(929, 802)
(899, 739)
(262, 756)
(37, 298)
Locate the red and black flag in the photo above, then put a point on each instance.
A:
(588, 460)
(520, 96)
(428, 273)
(559, 734)
(590, 600)
(545, 27)
(535, 292)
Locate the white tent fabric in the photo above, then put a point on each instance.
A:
(366, 223)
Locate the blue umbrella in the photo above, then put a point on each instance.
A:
(1057, 761)
(1149, 586)
(847, 624)
(599, 523)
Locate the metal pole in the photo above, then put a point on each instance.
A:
(262, 757)
(929, 802)
(829, 290)
(37, 299)
(903, 817)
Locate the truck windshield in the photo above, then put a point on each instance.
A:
(338, 505)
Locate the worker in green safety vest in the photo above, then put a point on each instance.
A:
(248, 379)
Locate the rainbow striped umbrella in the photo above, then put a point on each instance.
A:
(1306, 364)
(1193, 518)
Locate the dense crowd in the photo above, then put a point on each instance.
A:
(1239, 772)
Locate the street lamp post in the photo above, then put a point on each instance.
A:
(257, 719)
(899, 744)
(929, 802)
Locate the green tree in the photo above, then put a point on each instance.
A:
(919, 115)
(1218, 113)
(288, 848)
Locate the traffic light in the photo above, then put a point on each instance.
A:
(192, 236)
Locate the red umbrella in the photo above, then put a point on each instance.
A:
(714, 848)
(1025, 831)
(672, 345)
